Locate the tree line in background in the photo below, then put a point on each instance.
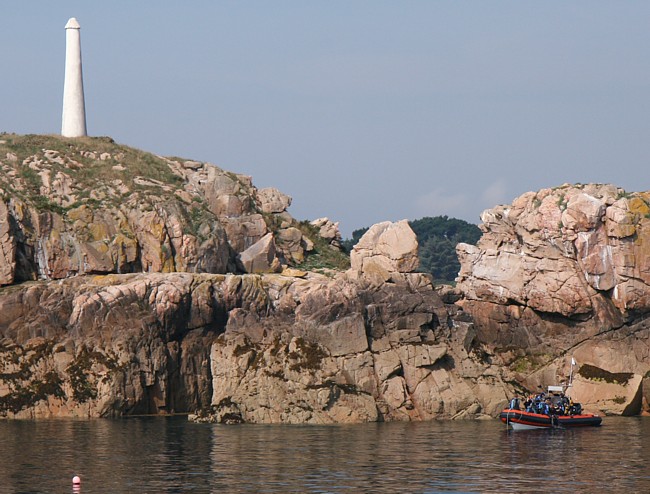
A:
(437, 239)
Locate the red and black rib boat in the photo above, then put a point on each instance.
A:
(547, 411)
(522, 420)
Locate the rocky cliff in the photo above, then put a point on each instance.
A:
(295, 347)
(563, 273)
(90, 206)
(135, 283)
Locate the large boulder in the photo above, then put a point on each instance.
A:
(273, 201)
(291, 245)
(385, 250)
(328, 230)
(260, 257)
(228, 194)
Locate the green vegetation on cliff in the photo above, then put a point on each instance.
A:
(90, 161)
(437, 239)
(323, 256)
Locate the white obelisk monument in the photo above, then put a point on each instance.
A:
(74, 108)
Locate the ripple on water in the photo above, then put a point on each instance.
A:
(170, 455)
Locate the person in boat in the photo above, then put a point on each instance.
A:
(575, 408)
(514, 403)
(528, 403)
(563, 405)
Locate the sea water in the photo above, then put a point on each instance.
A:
(171, 455)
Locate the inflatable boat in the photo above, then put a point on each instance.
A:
(523, 420)
(549, 410)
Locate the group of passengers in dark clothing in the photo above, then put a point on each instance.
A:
(548, 405)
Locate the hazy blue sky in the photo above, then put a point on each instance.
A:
(362, 111)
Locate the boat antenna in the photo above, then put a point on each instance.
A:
(573, 363)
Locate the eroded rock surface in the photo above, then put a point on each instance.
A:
(122, 291)
(563, 272)
(264, 348)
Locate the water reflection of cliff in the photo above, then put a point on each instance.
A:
(171, 455)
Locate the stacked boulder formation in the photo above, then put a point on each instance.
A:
(373, 343)
(566, 272)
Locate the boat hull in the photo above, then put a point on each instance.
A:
(521, 420)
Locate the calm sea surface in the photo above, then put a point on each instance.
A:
(170, 455)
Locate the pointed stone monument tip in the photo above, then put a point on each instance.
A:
(72, 23)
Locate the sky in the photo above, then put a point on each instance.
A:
(361, 110)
